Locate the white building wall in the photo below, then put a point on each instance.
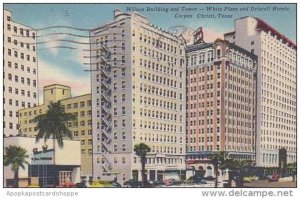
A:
(20, 71)
(276, 83)
(122, 32)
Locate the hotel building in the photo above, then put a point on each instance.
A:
(138, 96)
(276, 88)
(20, 71)
(221, 92)
(80, 106)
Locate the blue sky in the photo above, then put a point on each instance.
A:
(67, 66)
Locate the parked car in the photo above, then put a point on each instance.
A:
(209, 178)
(158, 182)
(132, 184)
(274, 177)
(199, 180)
(115, 184)
(149, 184)
(168, 182)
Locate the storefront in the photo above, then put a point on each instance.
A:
(46, 167)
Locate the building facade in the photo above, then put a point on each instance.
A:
(138, 96)
(41, 169)
(221, 92)
(20, 71)
(81, 128)
(276, 88)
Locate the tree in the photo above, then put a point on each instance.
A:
(292, 169)
(16, 157)
(54, 124)
(242, 167)
(231, 165)
(217, 158)
(141, 150)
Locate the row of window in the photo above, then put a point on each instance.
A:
(82, 133)
(81, 104)
(166, 81)
(159, 44)
(21, 31)
(159, 91)
(160, 115)
(157, 57)
(22, 79)
(17, 103)
(158, 103)
(22, 55)
(15, 42)
(210, 139)
(20, 91)
(158, 126)
(284, 79)
(169, 71)
(16, 66)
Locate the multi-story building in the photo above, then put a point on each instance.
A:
(276, 88)
(20, 71)
(80, 106)
(138, 96)
(221, 92)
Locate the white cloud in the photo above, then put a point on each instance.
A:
(82, 52)
(53, 75)
(53, 42)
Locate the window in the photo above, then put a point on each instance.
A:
(8, 18)
(123, 111)
(10, 125)
(8, 27)
(75, 105)
(82, 104)
(123, 59)
(123, 84)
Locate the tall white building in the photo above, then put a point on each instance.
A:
(20, 71)
(138, 96)
(276, 88)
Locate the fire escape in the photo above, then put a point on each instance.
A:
(106, 116)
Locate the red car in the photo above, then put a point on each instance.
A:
(274, 177)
